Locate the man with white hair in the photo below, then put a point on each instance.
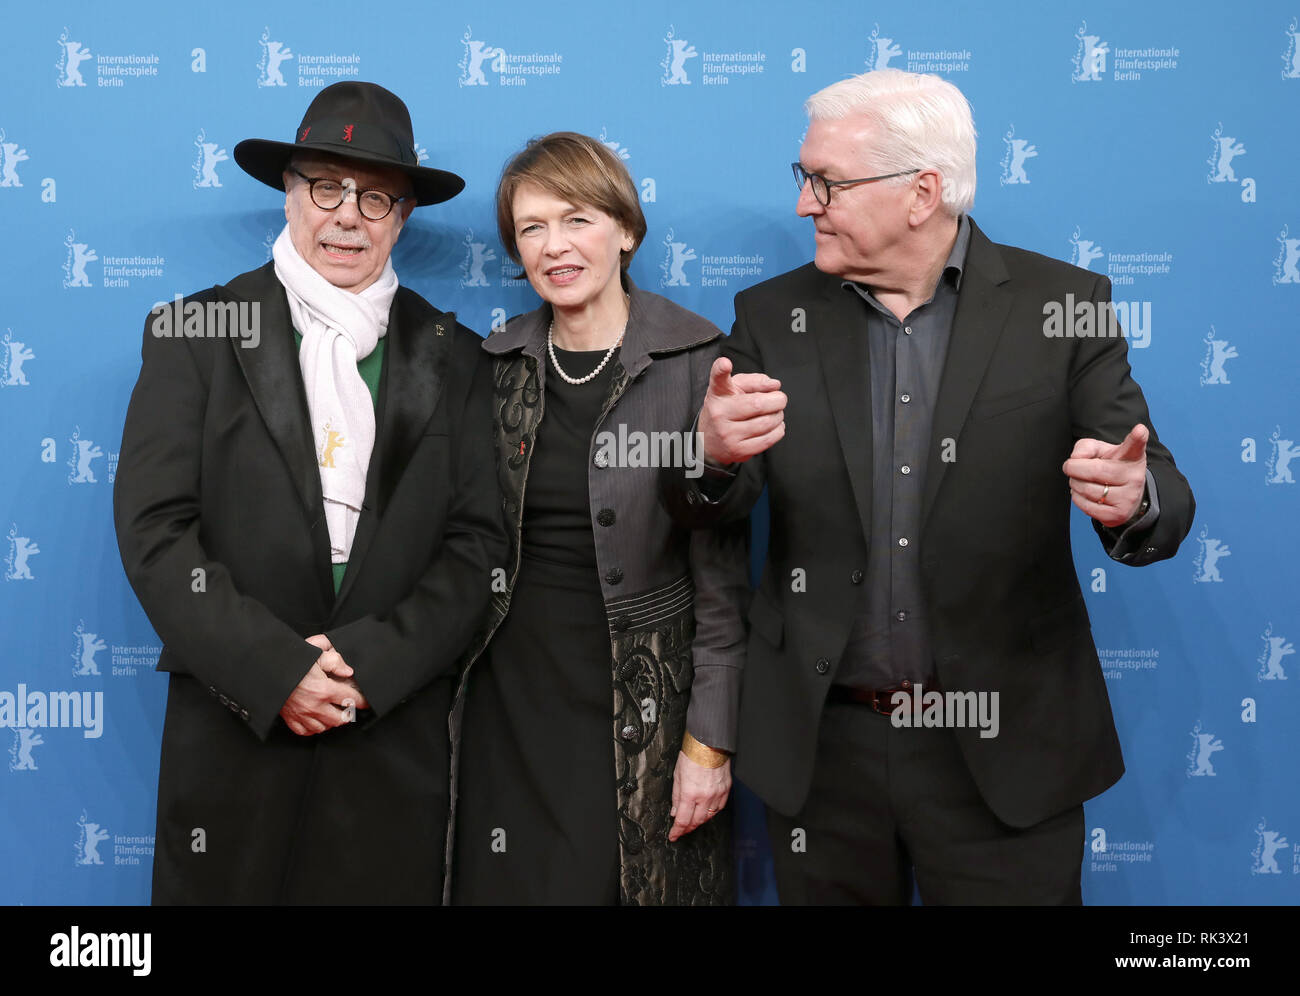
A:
(922, 699)
(307, 508)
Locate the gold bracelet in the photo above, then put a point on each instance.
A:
(703, 754)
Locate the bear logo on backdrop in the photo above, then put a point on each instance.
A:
(1286, 266)
(13, 354)
(477, 254)
(87, 646)
(613, 146)
(74, 267)
(1013, 160)
(1204, 747)
(1291, 57)
(1090, 57)
(71, 55)
(1084, 251)
(1279, 460)
(1276, 648)
(477, 53)
(1217, 353)
(84, 451)
(1225, 150)
(674, 63)
(882, 50)
(1268, 843)
(206, 159)
(20, 754)
(1206, 562)
(89, 837)
(676, 256)
(10, 156)
(21, 550)
(274, 55)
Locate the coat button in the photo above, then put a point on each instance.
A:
(614, 575)
(691, 498)
(224, 701)
(629, 732)
(823, 665)
(856, 577)
(626, 670)
(243, 714)
(605, 517)
(622, 623)
(602, 459)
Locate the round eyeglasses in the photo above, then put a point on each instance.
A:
(328, 194)
(821, 187)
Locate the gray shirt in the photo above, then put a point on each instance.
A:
(889, 640)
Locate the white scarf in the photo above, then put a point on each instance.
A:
(338, 330)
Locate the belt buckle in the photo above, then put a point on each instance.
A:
(882, 698)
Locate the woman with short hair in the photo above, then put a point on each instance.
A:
(593, 727)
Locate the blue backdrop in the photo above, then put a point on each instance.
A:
(1156, 144)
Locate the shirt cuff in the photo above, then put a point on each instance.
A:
(1125, 536)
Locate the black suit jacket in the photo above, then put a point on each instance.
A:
(1006, 611)
(221, 527)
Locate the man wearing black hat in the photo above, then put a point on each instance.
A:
(311, 526)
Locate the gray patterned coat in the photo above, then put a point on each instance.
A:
(674, 598)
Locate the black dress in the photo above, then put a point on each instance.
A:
(538, 813)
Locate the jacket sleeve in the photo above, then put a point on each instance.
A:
(719, 560)
(231, 643)
(1105, 403)
(690, 504)
(422, 637)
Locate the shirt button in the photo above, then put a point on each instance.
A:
(614, 575)
(907, 330)
(856, 577)
(905, 469)
(605, 517)
(901, 615)
(905, 398)
(823, 665)
(902, 541)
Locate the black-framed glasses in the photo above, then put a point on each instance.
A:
(821, 187)
(328, 194)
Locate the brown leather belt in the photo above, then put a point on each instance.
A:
(881, 700)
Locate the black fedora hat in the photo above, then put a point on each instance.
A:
(361, 121)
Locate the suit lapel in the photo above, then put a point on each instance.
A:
(845, 361)
(417, 349)
(275, 381)
(982, 307)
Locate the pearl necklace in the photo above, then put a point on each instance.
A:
(550, 348)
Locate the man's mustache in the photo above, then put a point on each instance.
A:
(351, 240)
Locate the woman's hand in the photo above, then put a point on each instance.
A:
(699, 793)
